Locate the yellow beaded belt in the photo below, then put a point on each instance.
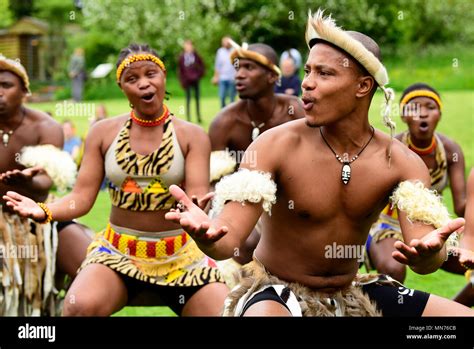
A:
(134, 246)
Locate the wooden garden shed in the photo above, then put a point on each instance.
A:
(26, 40)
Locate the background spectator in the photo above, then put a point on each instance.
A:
(224, 72)
(190, 71)
(72, 143)
(77, 72)
(290, 82)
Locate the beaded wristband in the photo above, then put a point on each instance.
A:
(47, 211)
(468, 275)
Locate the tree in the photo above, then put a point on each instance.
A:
(6, 16)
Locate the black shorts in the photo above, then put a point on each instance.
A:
(61, 225)
(397, 301)
(390, 300)
(145, 294)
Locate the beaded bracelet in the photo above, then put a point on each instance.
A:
(468, 275)
(47, 211)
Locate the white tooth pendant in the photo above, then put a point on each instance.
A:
(346, 173)
(255, 133)
(6, 137)
(256, 130)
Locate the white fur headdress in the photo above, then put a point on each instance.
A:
(325, 28)
(244, 52)
(16, 68)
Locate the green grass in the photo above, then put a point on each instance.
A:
(457, 122)
(449, 67)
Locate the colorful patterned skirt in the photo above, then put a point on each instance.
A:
(386, 226)
(169, 258)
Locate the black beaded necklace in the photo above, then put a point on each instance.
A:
(346, 165)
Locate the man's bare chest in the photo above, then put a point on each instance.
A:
(314, 189)
(242, 134)
(10, 154)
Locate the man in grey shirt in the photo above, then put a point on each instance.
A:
(224, 72)
(77, 73)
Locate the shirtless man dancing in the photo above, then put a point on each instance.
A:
(258, 110)
(328, 177)
(32, 171)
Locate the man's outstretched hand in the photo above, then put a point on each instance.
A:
(426, 247)
(465, 257)
(20, 177)
(193, 219)
(24, 206)
(204, 202)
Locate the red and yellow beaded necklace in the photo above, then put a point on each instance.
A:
(422, 151)
(151, 123)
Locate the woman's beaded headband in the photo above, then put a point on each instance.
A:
(139, 57)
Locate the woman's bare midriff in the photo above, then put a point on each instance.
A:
(146, 221)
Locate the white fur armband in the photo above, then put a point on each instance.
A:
(57, 163)
(222, 164)
(245, 185)
(422, 205)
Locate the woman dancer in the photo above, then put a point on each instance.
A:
(142, 153)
